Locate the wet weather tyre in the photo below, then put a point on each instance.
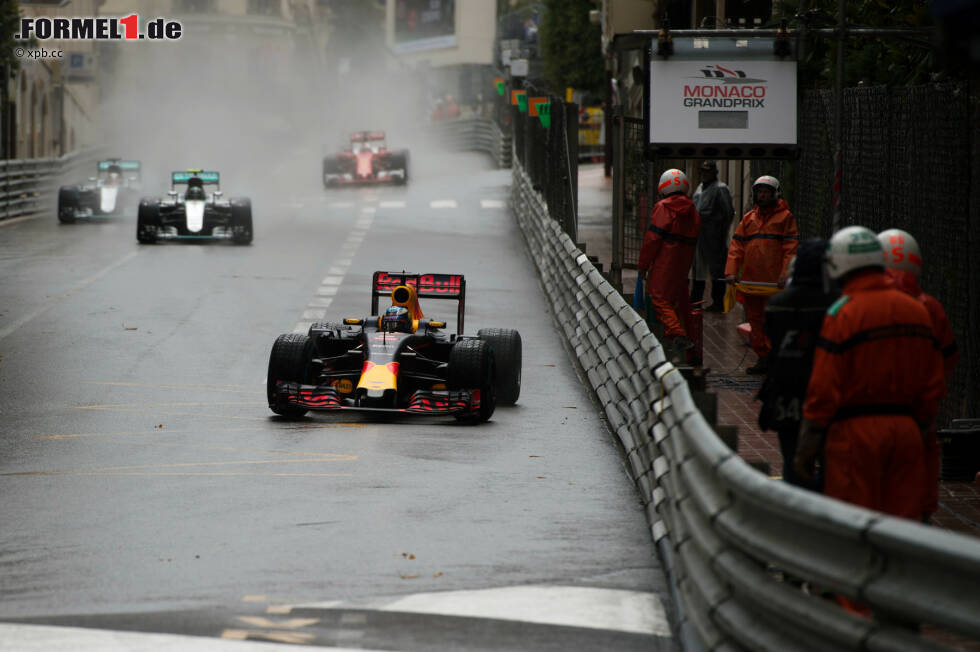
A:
(147, 221)
(471, 366)
(288, 362)
(506, 345)
(241, 221)
(67, 204)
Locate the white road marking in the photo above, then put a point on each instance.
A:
(320, 302)
(302, 327)
(46, 638)
(344, 261)
(327, 291)
(342, 204)
(392, 204)
(334, 269)
(492, 203)
(442, 203)
(332, 280)
(568, 606)
(50, 303)
(314, 314)
(369, 210)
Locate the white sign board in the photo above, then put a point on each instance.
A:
(518, 67)
(722, 102)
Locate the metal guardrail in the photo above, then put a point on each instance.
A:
(29, 186)
(730, 537)
(478, 133)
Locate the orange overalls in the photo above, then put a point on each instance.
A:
(943, 332)
(764, 242)
(668, 250)
(877, 375)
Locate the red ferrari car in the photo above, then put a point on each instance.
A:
(367, 160)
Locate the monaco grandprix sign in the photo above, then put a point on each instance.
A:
(723, 98)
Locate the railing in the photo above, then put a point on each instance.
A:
(748, 557)
(477, 133)
(30, 186)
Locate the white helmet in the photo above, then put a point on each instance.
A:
(852, 248)
(901, 251)
(767, 180)
(673, 181)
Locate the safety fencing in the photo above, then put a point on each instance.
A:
(751, 560)
(477, 133)
(29, 186)
(892, 138)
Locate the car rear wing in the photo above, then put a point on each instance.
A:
(184, 176)
(125, 166)
(427, 286)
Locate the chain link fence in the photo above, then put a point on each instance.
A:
(911, 161)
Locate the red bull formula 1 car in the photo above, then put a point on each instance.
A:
(367, 160)
(397, 360)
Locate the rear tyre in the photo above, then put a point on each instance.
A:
(67, 204)
(147, 221)
(288, 362)
(241, 221)
(471, 366)
(506, 345)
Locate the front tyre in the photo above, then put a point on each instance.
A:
(147, 221)
(471, 366)
(506, 345)
(241, 221)
(67, 204)
(288, 363)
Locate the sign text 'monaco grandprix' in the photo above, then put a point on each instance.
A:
(98, 29)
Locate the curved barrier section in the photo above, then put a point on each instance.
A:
(30, 186)
(741, 550)
(478, 133)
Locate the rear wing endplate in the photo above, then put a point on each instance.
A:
(427, 286)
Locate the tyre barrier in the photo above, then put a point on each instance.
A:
(476, 133)
(753, 563)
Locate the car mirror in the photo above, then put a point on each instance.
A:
(354, 322)
(437, 324)
(93, 179)
(172, 193)
(217, 193)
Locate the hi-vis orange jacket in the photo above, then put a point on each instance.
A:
(668, 246)
(943, 332)
(764, 242)
(876, 349)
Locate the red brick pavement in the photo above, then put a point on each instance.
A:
(727, 355)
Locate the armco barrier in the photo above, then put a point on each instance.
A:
(29, 186)
(478, 133)
(729, 536)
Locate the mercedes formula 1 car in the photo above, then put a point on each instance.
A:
(366, 160)
(114, 190)
(192, 214)
(397, 360)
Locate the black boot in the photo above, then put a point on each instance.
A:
(697, 292)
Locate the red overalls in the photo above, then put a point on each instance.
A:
(668, 249)
(941, 330)
(877, 376)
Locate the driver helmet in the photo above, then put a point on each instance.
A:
(396, 320)
(195, 190)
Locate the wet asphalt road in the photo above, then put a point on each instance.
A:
(146, 485)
